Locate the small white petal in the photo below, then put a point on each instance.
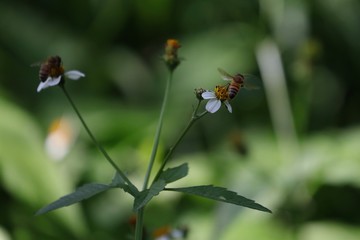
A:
(208, 95)
(213, 105)
(41, 86)
(54, 81)
(74, 74)
(44, 85)
(228, 106)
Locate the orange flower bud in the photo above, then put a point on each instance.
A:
(170, 57)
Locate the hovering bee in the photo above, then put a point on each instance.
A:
(238, 141)
(236, 82)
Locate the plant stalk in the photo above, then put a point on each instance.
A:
(140, 212)
(102, 150)
(158, 131)
(193, 119)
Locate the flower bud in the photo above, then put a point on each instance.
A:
(198, 93)
(170, 57)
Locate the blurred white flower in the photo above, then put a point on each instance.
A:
(60, 138)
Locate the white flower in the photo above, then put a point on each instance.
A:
(216, 98)
(53, 81)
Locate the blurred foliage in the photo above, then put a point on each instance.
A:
(313, 192)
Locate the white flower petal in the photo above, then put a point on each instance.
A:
(208, 95)
(74, 74)
(54, 81)
(43, 85)
(228, 106)
(49, 83)
(213, 105)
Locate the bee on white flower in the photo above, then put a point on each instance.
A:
(52, 73)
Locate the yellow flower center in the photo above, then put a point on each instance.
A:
(221, 93)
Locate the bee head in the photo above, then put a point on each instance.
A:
(239, 78)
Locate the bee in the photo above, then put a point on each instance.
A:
(238, 141)
(51, 67)
(236, 82)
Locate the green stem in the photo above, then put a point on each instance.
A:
(139, 224)
(131, 186)
(193, 119)
(140, 212)
(158, 131)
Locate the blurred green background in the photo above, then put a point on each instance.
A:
(293, 145)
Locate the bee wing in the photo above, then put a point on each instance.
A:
(36, 64)
(224, 75)
(251, 82)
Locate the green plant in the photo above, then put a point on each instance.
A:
(53, 74)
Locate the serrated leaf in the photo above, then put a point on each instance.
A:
(145, 196)
(221, 194)
(83, 192)
(174, 174)
(119, 182)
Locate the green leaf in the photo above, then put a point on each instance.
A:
(145, 196)
(167, 176)
(83, 192)
(119, 182)
(220, 194)
(174, 174)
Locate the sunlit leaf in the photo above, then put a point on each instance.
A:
(28, 175)
(145, 196)
(83, 192)
(174, 174)
(221, 194)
